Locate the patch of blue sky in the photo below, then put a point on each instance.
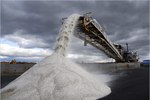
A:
(5, 41)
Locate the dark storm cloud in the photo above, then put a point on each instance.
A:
(33, 17)
(43, 19)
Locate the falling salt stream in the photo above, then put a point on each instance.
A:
(56, 77)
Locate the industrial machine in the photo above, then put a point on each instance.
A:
(91, 32)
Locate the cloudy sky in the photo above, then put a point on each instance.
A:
(29, 28)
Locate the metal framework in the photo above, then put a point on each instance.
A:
(90, 31)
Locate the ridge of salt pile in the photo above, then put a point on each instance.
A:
(56, 77)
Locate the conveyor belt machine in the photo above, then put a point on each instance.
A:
(91, 32)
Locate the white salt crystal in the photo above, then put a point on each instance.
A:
(55, 77)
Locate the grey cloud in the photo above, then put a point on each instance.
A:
(43, 19)
(25, 40)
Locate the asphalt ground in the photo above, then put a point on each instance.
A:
(132, 84)
(7, 79)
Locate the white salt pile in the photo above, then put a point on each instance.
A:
(55, 77)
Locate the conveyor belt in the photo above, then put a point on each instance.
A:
(91, 32)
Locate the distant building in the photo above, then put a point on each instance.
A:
(145, 63)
